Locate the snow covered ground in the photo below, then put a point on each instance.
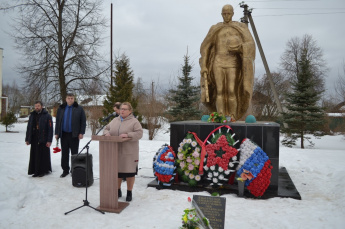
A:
(27, 202)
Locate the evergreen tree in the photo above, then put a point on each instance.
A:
(8, 121)
(122, 91)
(186, 97)
(304, 116)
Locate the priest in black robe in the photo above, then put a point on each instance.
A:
(39, 134)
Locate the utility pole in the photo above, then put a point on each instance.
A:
(111, 44)
(247, 15)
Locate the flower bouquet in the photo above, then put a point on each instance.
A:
(164, 165)
(188, 159)
(215, 117)
(254, 168)
(221, 155)
(57, 149)
(192, 219)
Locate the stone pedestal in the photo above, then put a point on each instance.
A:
(264, 134)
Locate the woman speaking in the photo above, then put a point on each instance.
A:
(126, 126)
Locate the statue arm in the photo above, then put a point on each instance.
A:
(205, 50)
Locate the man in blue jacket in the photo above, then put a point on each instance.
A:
(70, 128)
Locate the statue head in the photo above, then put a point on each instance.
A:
(227, 13)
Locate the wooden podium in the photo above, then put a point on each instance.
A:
(108, 170)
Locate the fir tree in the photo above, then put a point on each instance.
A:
(8, 121)
(122, 91)
(304, 116)
(186, 97)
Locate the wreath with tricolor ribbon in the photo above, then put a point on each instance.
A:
(254, 168)
(164, 165)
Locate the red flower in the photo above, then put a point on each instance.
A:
(223, 161)
(56, 150)
(259, 185)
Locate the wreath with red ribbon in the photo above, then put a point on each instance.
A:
(221, 155)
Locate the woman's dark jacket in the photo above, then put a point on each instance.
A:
(45, 127)
(78, 120)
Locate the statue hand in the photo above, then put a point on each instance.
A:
(235, 48)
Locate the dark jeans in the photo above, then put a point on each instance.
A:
(67, 143)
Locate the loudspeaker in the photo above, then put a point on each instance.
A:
(79, 170)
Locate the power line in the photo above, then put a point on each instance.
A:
(299, 8)
(286, 1)
(301, 14)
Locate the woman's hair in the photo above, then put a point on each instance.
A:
(117, 105)
(127, 104)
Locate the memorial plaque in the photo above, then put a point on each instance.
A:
(213, 208)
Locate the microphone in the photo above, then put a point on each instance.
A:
(109, 116)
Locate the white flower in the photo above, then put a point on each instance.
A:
(212, 167)
(209, 175)
(194, 144)
(197, 149)
(184, 141)
(190, 215)
(205, 167)
(189, 140)
(221, 177)
(215, 174)
(220, 169)
(214, 180)
(179, 149)
(231, 164)
(197, 177)
(181, 144)
(191, 176)
(227, 172)
(186, 172)
(234, 158)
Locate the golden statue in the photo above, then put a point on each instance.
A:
(227, 67)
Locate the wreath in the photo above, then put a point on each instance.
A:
(221, 155)
(164, 165)
(188, 159)
(254, 168)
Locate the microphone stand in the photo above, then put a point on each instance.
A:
(86, 202)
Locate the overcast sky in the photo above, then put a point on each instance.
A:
(155, 33)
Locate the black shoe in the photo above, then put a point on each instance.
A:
(119, 193)
(64, 174)
(35, 175)
(41, 175)
(129, 196)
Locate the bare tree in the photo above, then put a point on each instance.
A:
(15, 95)
(263, 104)
(339, 87)
(151, 106)
(292, 55)
(59, 40)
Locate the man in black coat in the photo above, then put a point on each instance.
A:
(70, 127)
(39, 134)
